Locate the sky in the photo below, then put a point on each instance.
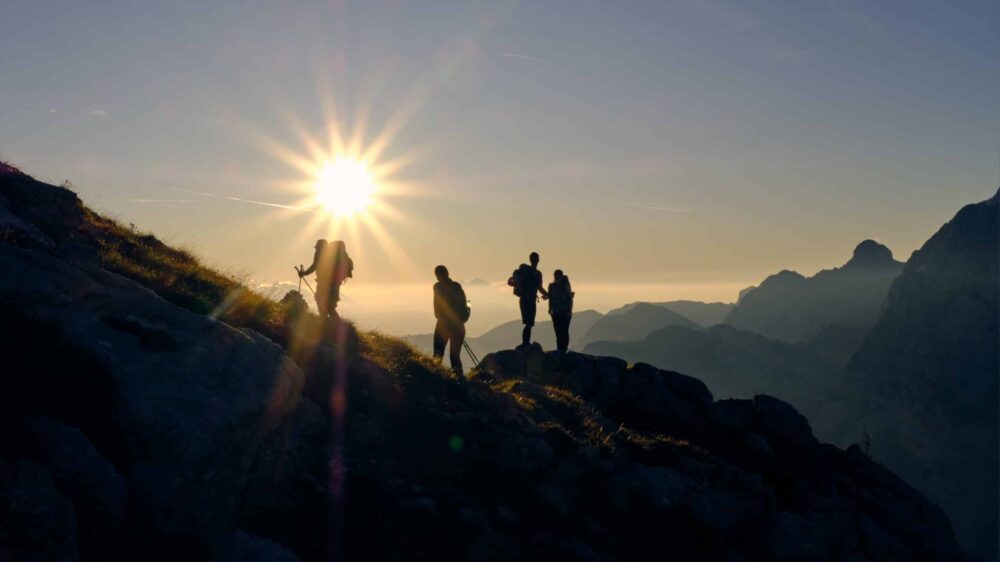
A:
(652, 150)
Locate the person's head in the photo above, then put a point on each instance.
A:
(340, 247)
(558, 274)
(441, 272)
(533, 258)
(321, 243)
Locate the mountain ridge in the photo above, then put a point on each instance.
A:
(790, 307)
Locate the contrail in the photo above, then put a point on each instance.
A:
(251, 201)
(278, 205)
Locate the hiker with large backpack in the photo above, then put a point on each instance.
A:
(561, 308)
(451, 309)
(333, 267)
(527, 283)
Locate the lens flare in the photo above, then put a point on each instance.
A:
(344, 187)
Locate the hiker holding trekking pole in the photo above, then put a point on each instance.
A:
(451, 309)
(333, 267)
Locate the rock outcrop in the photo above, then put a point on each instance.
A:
(735, 479)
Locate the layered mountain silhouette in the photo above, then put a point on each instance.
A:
(702, 313)
(635, 323)
(735, 363)
(790, 307)
(154, 409)
(925, 381)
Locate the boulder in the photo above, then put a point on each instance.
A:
(36, 522)
(96, 489)
(190, 398)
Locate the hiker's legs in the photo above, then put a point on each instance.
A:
(440, 339)
(334, 299)
(560, 322)
(456, 337)
(323, 301)
(528, 309)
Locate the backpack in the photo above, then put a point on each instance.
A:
(343, 270)
(523, 281)
(455, 297)
(560, 298)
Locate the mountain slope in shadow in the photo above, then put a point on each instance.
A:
(925, 381)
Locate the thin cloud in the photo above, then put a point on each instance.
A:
(680, 210)
(97, 113)
(522, 57)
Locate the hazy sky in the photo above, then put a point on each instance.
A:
(688, 143)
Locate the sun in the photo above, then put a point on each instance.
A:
(344, 187)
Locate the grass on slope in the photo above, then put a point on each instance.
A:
(179, 277)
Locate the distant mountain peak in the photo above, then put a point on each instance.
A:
(871, 254)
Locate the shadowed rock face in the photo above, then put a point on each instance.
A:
(925, 381)
(174, 401)
(793, 308)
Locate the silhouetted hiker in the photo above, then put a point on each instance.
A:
(561, 308)
(527, 282)
(332, 266)
(452, 312)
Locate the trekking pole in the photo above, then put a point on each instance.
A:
(307, 284)
(472, 355)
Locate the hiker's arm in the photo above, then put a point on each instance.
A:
(541, 287)
(312, 267)
(437, 302)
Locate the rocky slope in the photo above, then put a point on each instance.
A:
(925, 381)
(793, 308)
(137, 427)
